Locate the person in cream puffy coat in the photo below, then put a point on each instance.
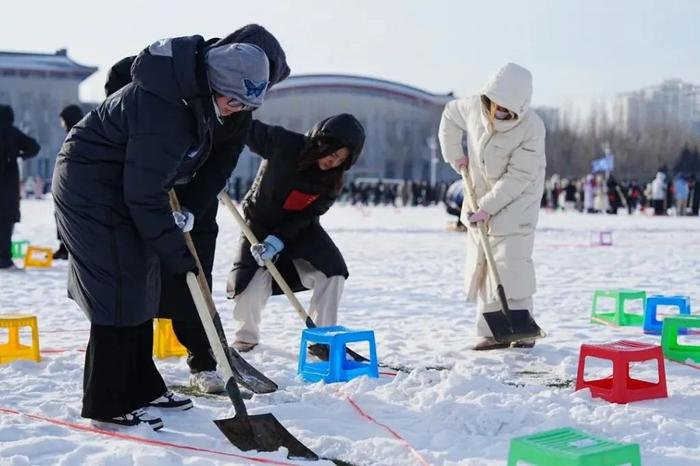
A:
(505, 156)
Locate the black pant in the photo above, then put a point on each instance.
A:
(192, 336)
(6, 227)
(119, 374)
(658, 205)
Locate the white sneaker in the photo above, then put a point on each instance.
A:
(207, 382)
(132, 419)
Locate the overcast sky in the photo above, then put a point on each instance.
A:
(578, 51)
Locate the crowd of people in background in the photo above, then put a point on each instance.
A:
(667, 194)
(373, 192)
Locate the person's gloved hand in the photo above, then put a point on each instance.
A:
(267, 250)
(184, 219)
(480, 216)
(459, 163)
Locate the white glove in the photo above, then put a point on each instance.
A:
(184, 220)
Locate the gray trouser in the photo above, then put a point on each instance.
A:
(482, 329)
(323, 309)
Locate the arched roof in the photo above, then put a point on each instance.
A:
(56, 65)
(341, 82)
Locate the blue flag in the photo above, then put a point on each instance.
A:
(605, 164)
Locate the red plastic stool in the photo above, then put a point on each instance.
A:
(620, 387)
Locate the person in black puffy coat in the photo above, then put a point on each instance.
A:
(110, 187)
(199, 197)
(299, 180)
(14, 144)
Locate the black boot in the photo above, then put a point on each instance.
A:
(489, 343)
(61, 253)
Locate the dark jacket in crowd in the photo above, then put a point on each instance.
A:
(14, 144)
(287, 202)
(112, 179)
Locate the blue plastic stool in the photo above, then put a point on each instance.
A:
(652, 325)
(338, 368)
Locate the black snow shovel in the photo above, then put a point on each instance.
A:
(260, 432)
(244, 373)
(507, 325)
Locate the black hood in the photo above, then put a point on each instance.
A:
(258, 35)
(71, 115)
(7, 116)
(344, 128)
(172, 68)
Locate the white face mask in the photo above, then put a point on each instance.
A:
(501, 115)
(219, 117)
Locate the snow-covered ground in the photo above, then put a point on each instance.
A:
(406, 285)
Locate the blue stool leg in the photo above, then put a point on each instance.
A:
(336, 359)
(651, 322)
(374, 364)
(302, 353)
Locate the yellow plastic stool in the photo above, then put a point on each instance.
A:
(165, 343)
(13, 349)
(38, 257)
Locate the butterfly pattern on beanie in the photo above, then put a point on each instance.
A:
(251, 88)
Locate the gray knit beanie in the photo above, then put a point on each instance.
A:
(240, 71)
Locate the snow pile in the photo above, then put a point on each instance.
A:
(406, 285)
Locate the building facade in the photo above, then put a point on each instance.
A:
(37, 87)
(672, 101)
(401, 123)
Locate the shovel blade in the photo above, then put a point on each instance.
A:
(248, 376)
(520, 326)
(262, 432)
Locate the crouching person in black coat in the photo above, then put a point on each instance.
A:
(111, 186)
(299, 180)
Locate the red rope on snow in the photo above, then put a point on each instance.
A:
(694, 366)
(62, 350)
(393, 433)
(75, 330)
(138, 439)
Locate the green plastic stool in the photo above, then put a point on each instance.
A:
(19, 249)
(619, 316)
(669, 338)
(571, 447)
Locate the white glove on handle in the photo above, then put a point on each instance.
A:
(184, 220)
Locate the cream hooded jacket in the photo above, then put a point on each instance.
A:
(507, 165)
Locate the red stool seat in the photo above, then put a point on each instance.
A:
(620, 387)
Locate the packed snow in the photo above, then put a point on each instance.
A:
(406, 285)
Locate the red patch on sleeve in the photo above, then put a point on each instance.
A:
(298, 200)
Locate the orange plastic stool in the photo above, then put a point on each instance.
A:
(13, 350)
(165, 343)
(37, 256)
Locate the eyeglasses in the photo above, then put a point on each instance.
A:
(233, 103)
